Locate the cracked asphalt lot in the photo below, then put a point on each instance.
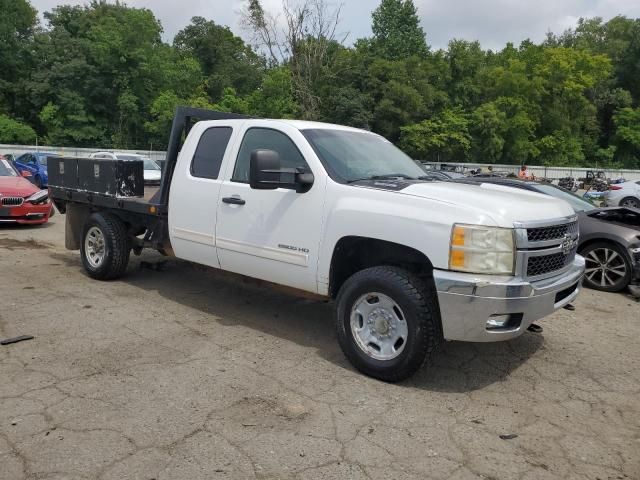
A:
(180, 372)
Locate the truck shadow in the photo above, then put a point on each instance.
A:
(231, 300)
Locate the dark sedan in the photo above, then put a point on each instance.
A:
(609, 237)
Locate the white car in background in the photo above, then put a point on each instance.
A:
(625, 194)
(152, 171)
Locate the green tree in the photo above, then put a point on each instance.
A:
(444, 138)
(397, 33)
(15, 132)
(627, 136)
(225, 60)
(274, 98)
(488, 128)
(17, 25)
(100, 68)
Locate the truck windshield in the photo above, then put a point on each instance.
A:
(353, 155)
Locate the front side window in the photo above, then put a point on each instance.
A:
(267, 139)
(210, 151)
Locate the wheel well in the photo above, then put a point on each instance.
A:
(352, 254)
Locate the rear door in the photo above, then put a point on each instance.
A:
(195, 191)
(273, 235)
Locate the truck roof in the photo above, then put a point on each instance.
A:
(298, 124)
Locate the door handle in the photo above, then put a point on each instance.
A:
(234, 200)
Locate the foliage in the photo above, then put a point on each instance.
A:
(17, 25)
(443, 138)
(100, 75)
(225, 60)
(397, 33)
(627, 138)
(15, 132)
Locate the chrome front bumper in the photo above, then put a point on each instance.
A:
(468, 302)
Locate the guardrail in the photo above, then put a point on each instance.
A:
(76, 152)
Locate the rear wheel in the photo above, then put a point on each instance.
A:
(105, 247)
(387, 321)
(630, 202)
(607, 267)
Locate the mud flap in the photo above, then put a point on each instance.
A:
(75, 219)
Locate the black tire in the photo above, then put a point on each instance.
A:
(117, 247)
(630, 202)
(38, 182)
(417, 300)
(613, 282)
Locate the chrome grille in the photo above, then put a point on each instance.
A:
(12, 201)
(544, 264)
(546, 249)
(554, 232)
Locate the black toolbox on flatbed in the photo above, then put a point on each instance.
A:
(113, 178)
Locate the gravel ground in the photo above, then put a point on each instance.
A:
(181, 372)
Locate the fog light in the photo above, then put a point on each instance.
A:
(497, 322)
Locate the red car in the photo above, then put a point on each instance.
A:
(20, 200)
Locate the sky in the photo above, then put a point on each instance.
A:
(492, 22)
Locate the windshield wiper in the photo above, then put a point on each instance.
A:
(388, 176)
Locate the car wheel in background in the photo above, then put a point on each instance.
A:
(607, 267)
(38, 182)
(630, 202)
(105, 247)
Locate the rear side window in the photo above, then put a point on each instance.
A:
(210, 152)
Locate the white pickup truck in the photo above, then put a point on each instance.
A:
(341, 213)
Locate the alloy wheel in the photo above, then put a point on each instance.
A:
(605, 267)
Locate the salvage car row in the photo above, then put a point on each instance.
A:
(25, 178)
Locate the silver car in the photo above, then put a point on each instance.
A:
(625, 194)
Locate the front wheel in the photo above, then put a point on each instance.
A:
(105, 247)
(607, 267)
(387, 321)
(38, 181)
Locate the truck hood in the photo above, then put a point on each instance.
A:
(505, 205)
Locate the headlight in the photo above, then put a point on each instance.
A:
(38, 197)
(477, 249)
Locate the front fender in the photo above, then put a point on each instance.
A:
(422, 224)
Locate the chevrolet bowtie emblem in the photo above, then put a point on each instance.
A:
(567, 244)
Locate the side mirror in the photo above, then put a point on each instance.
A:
(26, 174)
(264, 170)
(266, 173)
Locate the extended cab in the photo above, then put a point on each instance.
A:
(341, 213)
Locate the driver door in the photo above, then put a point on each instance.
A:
(273, 235)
